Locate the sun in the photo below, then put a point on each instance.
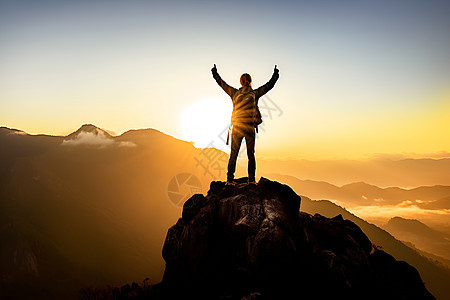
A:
(205, 122)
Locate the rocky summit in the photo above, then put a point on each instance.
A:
(251, 241)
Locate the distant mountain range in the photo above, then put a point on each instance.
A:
(407, 173)
(360, 193)
(92, 209)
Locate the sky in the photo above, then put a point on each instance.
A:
(356, 77)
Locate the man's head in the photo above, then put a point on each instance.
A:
(246, 80)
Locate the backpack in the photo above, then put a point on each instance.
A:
(245, 110)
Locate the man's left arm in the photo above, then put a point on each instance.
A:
(269, 85)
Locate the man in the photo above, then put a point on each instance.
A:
(244, 119)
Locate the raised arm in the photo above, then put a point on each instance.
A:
(269, 85)
(228, 89)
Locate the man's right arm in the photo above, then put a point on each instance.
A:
(228, 89)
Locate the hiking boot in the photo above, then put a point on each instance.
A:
(251, 181)
(230, 182)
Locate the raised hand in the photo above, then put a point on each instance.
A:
(214, 69)
(275, 70)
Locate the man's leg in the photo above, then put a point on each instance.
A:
(250, 142)
(236, 139)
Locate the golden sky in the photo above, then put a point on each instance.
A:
(354, 79)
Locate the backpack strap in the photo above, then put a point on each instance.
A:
(228, 134)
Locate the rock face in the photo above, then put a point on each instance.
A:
(252, 242)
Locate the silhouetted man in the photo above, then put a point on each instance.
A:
(244, 119)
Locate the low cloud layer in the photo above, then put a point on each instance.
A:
(97, 139)
(380, 215)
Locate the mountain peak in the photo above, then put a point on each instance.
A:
(88, 127)
(91, 129)
(249, 241)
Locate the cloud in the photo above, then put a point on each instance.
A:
(17, 132)
(126, 144)
(381, 214)
(97, 139)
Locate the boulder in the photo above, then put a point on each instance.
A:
(252, 242)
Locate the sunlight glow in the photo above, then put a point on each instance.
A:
(205, 123)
